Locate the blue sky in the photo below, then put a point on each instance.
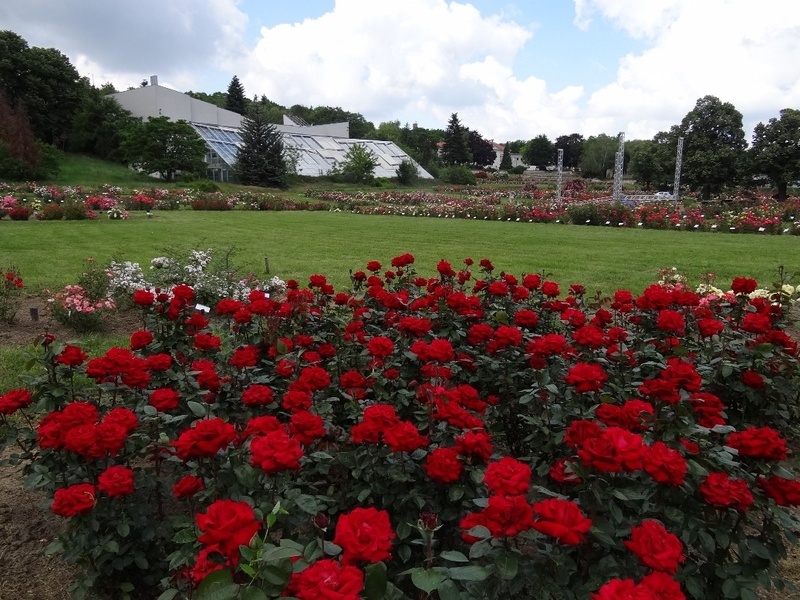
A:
(510, 69)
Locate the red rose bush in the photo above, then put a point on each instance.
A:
(472, 434)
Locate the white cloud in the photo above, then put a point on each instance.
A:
(385, 58)
(737, 50)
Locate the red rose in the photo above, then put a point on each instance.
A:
(671, 321)
(326, 579)
(442, 465)
(206, 342)
(756, 323)
(140, 339)
(124, 417)
(753, 379)
(74, 500)
(306, 427)
(315, 378)
(613, 450)
(759, 442)
(709, 327)
(662, 586)
(158, 362)
(586, 377)
(380, 347)
(562, 520)
(144, 298)
(275, 452)
(187, 486)
(561, 472)
(364, 534)
(373, 266)
(785, 492)
(655, 547)
(718, 489)
(229, 524)
(208, 560)
(116, 481)
(205, 438)
(590, 336)
(506, 516)
(526, 318)
(550, 289)
(507, 477)
(71, 356)
(404, 437)
(261, 426)
(475, 445)
(581, 430)
(743, 285)
(246, 356)
(164, 399)
(257, 395)
(13, 400)
(377, 418)
(664, 464)
(296, 400)
(109, 437)
(623, 589)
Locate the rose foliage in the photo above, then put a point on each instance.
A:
(468, 435)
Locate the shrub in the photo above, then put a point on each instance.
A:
(468, 435)
(19, 213)
(585, 214)
(518, 170)
(51, 212)
(458, 175)
(407, 173)
(11, 286)
(75, 211)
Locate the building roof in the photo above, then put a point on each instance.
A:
(318, 147)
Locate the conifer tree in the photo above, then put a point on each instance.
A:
(456, 145)
(505, 162)
(261, 159)
(235, 100)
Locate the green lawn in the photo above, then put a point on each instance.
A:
(51, 254)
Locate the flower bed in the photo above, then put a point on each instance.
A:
(467, 435)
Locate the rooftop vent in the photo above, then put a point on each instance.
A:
(153, 79)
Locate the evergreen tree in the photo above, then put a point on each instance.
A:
(235, 100)
(261, 160)
(505, 162)
(456, 146)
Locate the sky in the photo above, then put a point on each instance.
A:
(510, 69)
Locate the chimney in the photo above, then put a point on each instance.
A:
(153, 79)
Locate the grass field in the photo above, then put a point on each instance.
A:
(52, 254)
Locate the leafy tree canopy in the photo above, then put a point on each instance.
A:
(776, 149)
(483, 153)
(572, 145)
(164, 147)
(540, 152)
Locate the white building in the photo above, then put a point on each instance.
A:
(318, 148)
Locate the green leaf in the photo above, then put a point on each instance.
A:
(276, 554)
(375, 581)
(198, 410)
(184, 536)
(217, 586)
(308, 504)
(168, 595)
(730, 589)
(507, 565)
(252, 593)
(426, 580)
(471, 573)
(454, 556)
(748, 595)
(123, 529)
(448, 590)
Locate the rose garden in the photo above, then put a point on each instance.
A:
(429, 431)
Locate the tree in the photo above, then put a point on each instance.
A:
(516, 146)
(572, 145)
(539, 151)
(164, 147)
(358, 165)
(505, 162)
(483, 153)
(407, 172)
(261, 159)
(43, 81)
(455, 150)
(652, 162)
(21, 156)
(598, 156)
(99, 125)
(776, 150)
(235, 99)
(714, 145)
